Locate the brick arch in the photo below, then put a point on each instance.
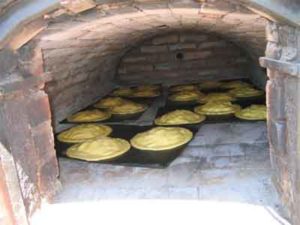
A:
(187, 56)
(77, 50)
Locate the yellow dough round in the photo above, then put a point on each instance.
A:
(179, 117)
(217, 97)
(186, 96)
(246, 92)
(84, 132)
(89, 116)
(253, 112)
(184, 87)
(235, 84)
(110, 102)
(206, 85)
(217, 108)
(128, 108)
(145, 93)
(161, 138)
(148, 88)
(122, 92)
(103, 148)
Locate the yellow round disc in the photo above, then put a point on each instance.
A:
(89, 116)
(145, 93)
(246, 92)
(184, 87)
(99, 149)
(84, 132)
(253, 112)
(110, 102)
(161, 138)
(216, 97)
(186, 96)
(179, 117)
(235, 84)
(122, 92)
(217, 108)
(128, 108)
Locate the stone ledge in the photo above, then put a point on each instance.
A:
(284, 67)
(18, 87)
(21, 14)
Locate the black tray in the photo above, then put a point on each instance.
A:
(209, 119)
(113, 119)
(244, 102)
(144, 100)
(212, 90)
(181, 105)
(133, 157)
(116, 117)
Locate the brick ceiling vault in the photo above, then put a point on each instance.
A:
(78, 47)
(112, 29)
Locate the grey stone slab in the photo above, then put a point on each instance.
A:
(229, 133)
(183, 193)
(184, 174)
(248, 186)
(191, 152)
(139, 193)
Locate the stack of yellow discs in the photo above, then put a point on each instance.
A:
(104, 148)
(84, 132)
(217, 108)
(89, 116)
(179, 117)
(253, 112)
(161, 138)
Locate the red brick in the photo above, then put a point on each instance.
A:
(168, 39)
(78, 6)
(154, 49)
(193, 38)
(212, 44)
(20, 141)
(182, 46)
(48, 178)
(197, 55)
(138, 67)
(38, 108)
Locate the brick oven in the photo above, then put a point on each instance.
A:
(59, 57)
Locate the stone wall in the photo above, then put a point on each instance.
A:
(76, 83)
(26, 131)
(183, 57)
(282, 61)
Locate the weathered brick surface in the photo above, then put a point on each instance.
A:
(23, 150)
(25, 123)
(8, 62)
(179, 55)
(38, 109)
(48, 167)
(283, 103)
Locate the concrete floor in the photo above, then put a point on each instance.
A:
(225, 167)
